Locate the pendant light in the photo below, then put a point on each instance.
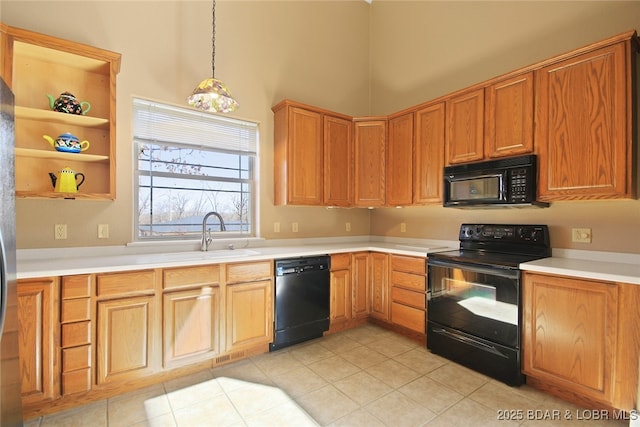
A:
(211, 94)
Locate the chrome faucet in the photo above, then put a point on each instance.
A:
(206, 237)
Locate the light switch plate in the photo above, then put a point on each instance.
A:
(103, 231)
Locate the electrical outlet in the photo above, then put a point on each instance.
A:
(347, 226)
(403, 227)
(276, 227)
(60, 231)
(294, 227)
(581, 235)
(103, 231)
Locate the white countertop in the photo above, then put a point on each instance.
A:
(609, 266)
(587, 269)
(97, 262)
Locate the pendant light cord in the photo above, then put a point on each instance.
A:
(213, 40)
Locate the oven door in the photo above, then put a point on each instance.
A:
(479, 301)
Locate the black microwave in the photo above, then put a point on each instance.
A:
(507, 182)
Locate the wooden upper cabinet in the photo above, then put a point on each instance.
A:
(338, 161)
(298, 156)
(36, 65)
(509, 117)
(313, 156)
(428, 154)
(370, 136)
(400, 161)
(465, 127)
(583, 125)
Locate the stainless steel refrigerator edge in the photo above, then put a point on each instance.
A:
(10, 403)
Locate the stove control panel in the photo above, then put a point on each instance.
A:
(536, 234)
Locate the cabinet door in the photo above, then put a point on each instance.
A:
(125, 338)
(569, 333)
(509, 117)
(191, 326)
(370, 140)
(400, 161)
(37, 321)
(360, 289)
(583, 126)
(340, 282)
(465, 127)
(379, 286)
(298, 151)
(249, 315)
(338, 162)
(429, 154)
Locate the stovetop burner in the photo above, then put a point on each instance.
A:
(499, 245)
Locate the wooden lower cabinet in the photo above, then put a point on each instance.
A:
(360, 289)
(340, 283)
(379, 286)
(407, 279)
(76, 333)
(190, 325)
(249, 305)
(190, 314)
(249, 314)
(37, 321)
(125, 338)
(578, 339)
(128, 326)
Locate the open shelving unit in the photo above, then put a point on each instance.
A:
(35, 65)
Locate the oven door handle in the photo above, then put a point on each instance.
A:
(495, 271)
(470, 341)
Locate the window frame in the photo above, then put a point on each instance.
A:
(251, 151)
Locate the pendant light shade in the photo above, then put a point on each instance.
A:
(211, 94)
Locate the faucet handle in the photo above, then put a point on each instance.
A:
(209, 238)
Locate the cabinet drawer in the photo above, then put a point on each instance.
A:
(408, 264)
(75, 310)
(76, 286)
(191, 276)
(249, 272)
(340, 261)
(125, 283)
(74, 334)
(409, 317)
(76, 358)
(403, 296)
(406, 280)
(76, 381)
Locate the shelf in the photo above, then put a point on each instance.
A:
(57, 56)
(62, 118)
(54, 195)
(58, 155)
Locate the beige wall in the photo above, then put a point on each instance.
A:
(346, 56)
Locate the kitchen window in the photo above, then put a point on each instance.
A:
(189, 163)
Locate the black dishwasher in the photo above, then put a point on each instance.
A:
(301, 300)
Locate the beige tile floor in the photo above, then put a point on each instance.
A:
(365, 376)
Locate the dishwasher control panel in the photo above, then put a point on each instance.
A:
(301, 265)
